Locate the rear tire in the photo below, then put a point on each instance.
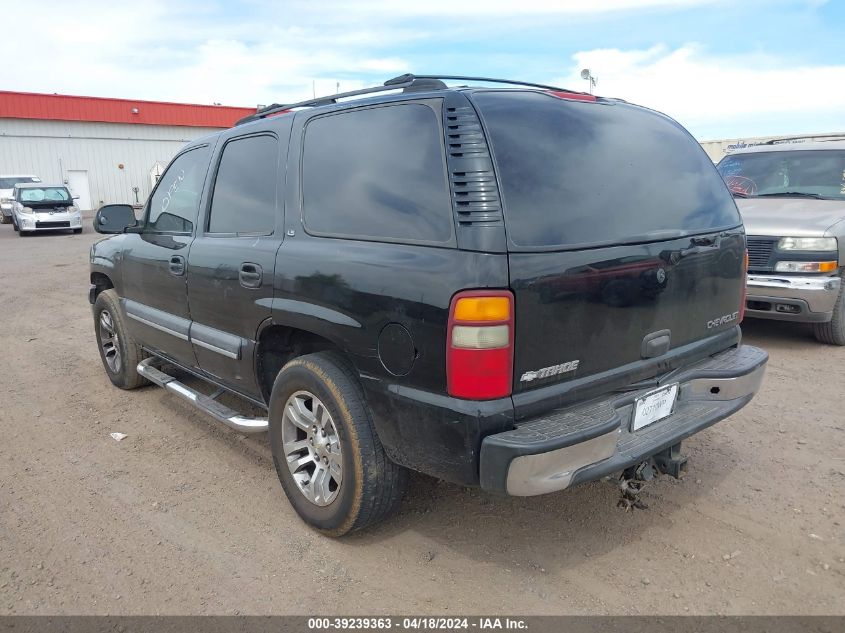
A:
(5, 219)
(833, 332)
(318, 413)
(118, 350)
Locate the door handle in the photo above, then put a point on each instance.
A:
(177, 265)
(250, 275)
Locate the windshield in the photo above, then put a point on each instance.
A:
(575, 174)
(9, 182)
(43, 194)
(816, 173)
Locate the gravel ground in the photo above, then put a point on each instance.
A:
(185, 516)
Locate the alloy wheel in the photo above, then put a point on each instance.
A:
(109, 342)
(312, 448)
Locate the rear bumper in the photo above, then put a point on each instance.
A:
(786, 298)
(593, 439)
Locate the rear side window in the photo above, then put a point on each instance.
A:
(244, 198)
(576, 174)
(377, 174)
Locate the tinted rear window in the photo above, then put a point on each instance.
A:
(377, 174)
(575, 173)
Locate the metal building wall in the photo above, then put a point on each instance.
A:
(50, 148)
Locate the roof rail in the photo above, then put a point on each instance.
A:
(407, 81)
(409, 77)
(328, 100)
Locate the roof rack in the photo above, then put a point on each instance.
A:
(408, 81)
(329, 100)
(410, 77)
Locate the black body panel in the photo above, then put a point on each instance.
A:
(598, 306)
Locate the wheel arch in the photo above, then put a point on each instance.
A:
(276, 344)
(100, 281)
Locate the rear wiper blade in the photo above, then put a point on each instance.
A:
(739, 194)
(790, 194)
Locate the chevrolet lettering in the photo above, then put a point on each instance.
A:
(728, 318)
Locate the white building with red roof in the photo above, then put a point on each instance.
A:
(104, 150)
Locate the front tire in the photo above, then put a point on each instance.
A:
(77, 231)
(5, 219)
(118, 350)
(327, 454)
(833, 332)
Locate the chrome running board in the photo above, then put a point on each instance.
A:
(202, 402)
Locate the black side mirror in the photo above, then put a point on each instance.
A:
(114, 218)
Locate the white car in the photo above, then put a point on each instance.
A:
(39, 207)
(7, 183)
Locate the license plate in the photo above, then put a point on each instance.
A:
(654, 406)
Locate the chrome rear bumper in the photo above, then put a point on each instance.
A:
(590, 440)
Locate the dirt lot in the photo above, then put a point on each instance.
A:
(185, 516)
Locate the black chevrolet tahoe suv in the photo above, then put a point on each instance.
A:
(519, 288)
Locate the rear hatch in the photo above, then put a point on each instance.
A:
(626, 250)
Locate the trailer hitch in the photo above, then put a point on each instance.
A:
(632, 480)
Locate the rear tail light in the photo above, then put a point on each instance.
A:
(744, 295)
(479, 346)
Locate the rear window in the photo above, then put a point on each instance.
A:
(576, 174)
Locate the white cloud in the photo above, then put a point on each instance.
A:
(483, 8)
(264, 51)
(710, 93)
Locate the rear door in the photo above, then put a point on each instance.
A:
(626, 250)
(231, 264)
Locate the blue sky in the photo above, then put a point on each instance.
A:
(724, 69)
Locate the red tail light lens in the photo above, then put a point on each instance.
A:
(744, 296)
(479, 345)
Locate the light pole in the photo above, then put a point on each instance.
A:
(589, 78)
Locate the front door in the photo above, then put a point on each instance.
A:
(77, 182)
(155, 267)
(232, 260)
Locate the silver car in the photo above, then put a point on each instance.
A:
(792, 200)
(40, 207)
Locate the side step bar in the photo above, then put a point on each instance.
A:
(205, 403)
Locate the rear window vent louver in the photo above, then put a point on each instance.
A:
(475, 194)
